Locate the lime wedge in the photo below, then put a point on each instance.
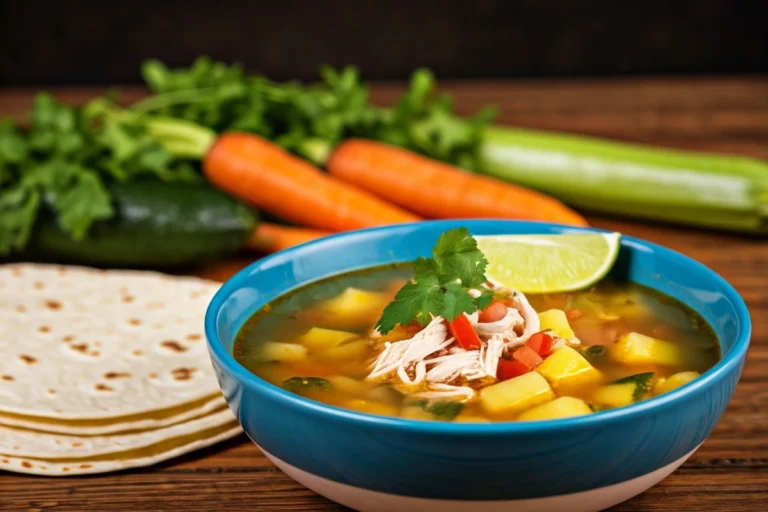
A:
(549, 263)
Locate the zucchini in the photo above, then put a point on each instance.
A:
(156, 224)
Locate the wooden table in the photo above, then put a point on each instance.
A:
(729, 472)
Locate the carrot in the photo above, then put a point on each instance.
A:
(265, 175)
(438, 190)
(271, 238)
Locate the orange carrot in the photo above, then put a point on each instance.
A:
(270, 238)
(438, 190)
(265, 175)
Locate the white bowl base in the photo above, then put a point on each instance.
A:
(366, 500)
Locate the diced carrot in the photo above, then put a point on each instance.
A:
(527, 356)
(541, 343)
(493, 313)
(510, 369)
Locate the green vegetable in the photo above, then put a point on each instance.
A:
(156, 224)
(65, 159)
(441, 284)
(642, 382)
(299, 384)
(444, 409)
(594, 352)
(719, 191)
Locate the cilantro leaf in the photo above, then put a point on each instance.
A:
(18, 210)
(445, 410)
(416, 300)
(441, 284)
(299, 384)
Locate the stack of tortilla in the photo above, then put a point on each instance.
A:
(104, 370)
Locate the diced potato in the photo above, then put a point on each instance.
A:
(638, 349)
(385, 394)
(318, 338)
(556, 321)
(352, 350)
(353, 303)
(415, 413)
(615, 395)
(517, 394)
(371, 407)
(562, 407)
(349, 386)
(282, 352)
(565, 367)
(673, 382)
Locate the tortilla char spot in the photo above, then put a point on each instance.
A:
(44, 328)
(15, 447)
(43, 467)
(173, 345)
(116, 375)
(20, 309)
(85, 466)
(152, 375)
(182, 373)
(67, 338)
(9, 378)
(196, 294)
(194, 337)
(16, 271)
(137, 353)
(62, 270)
(53, 305)
(128, 299)
(51, 391)
(134, 321)
(95, 353)
(75, 445)
(27, 359)
(103, 387)
(65, 469)
(80, 347)
(25, 464)
(6, 461)
(38, 285)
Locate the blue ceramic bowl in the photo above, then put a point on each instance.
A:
(385, 464)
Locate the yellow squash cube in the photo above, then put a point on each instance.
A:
(638, 349)
(566, 367)
(352, 350)
(282, 352)
(353, 303)
(556, 321)
(563, 407)
(318, 338)
(517, 394)
(674, 382)
(371, 407)
(615, 395)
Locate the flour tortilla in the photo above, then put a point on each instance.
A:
(33, 444)
(140, 457)
(86, 344)
(155, 419)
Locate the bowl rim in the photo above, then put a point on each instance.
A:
(230, 365)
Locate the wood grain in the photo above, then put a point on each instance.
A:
(729, 472)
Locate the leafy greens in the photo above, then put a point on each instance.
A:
(441, 284)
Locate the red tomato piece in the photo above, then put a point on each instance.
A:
(510, 369)
(541, 343)
(464, 332)
(526, 355)
(493, 313)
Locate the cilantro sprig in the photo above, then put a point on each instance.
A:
(441, 284)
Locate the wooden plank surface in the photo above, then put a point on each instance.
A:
(729, 472)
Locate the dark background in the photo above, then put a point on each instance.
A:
(104, 42)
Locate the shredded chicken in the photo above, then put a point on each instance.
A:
(431, 360)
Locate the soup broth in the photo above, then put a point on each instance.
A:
(623, 343)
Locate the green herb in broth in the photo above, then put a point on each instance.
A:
(599, 317)
(299, 384)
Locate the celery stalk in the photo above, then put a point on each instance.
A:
(709, 190)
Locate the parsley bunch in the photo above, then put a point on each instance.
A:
(310, 119)
(63, 162)
(441, 284)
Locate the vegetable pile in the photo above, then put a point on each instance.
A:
(264, 143)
